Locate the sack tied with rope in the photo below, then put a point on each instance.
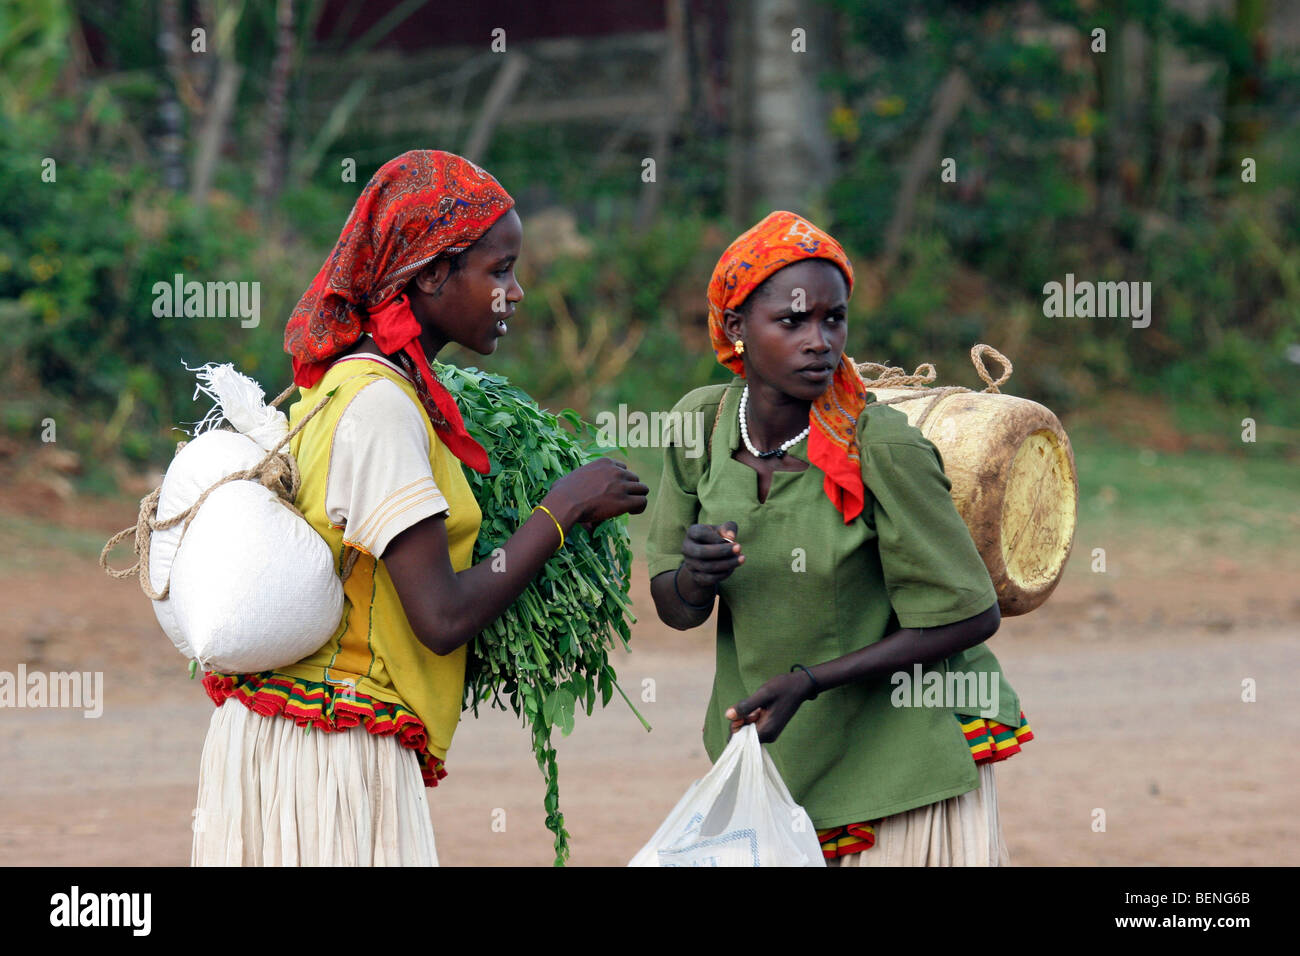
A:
(239, 580)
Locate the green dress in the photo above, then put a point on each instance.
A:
(813, 588)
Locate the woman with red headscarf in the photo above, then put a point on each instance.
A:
(426, 258)
(845, 580)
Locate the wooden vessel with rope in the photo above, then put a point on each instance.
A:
(1012, 471)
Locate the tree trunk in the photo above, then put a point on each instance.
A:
(220, 105)
(1243, 118)
(503, 87)
(674, 88)
(220, 98)
(924, 160)
(1155, 109)
(1112, 104)
(781, 153)
(272, 173)
(171, 116)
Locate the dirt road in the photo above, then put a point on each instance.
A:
(1132, 683)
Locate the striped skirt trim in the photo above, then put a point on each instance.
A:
(989, 742)
(964, 830)
(326, 707)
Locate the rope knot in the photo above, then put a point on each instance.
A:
(277, 471)
(279, 474)
(888, 376)
(977, 354)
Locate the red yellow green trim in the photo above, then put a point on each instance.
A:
(326, 707)
(989, 742)
(843, 840)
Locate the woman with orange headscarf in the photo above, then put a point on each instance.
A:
(845, 580)
(426, 258)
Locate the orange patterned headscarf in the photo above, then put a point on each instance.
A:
(782, 239)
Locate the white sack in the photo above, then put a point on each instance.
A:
(253, 585)
(198, 466)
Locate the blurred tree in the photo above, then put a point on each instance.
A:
(33, 52)
(1247, 66)
(781, 153)
(272, 170)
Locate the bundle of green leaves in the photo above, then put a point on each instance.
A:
(548, 654)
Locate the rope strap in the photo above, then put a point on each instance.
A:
(277, 471)
(892, 377)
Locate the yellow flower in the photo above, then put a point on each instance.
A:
(844, 124)
(888, 105)
(1084, 123)
(41, 268)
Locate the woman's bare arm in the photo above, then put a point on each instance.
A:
(772, 705)
(905, 647)
(446, 609)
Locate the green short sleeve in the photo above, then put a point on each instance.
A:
(933, 573)
(674, 507)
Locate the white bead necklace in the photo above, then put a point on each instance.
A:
(775, 452)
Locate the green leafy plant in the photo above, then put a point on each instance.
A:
(547, 655)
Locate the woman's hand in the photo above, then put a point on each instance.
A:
(684, 597)
(711, 555)
(771, 706)
(600, 489)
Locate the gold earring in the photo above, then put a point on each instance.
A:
(740, 347)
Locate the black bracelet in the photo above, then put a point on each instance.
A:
(817, 688)
(694, 607)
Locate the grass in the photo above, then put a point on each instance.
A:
(1184, 508)
(30, 544)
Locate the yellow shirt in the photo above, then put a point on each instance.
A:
(374, 650)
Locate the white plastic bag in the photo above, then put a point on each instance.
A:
(739, 814)
(252, 584)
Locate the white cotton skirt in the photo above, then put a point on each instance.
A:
(271, 794)
(961, 831)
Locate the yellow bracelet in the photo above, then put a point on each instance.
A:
(553, 518)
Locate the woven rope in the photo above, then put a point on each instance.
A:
(893, 377)
(277, 471)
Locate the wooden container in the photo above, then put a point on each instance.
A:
(1013, 482)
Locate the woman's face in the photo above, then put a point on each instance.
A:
(794, 328)
(473, 305)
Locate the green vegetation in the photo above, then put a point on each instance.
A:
(1181, 506)
(548, 654)
(1055, 176)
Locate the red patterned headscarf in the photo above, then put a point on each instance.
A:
(418, 206)
(781, 239)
